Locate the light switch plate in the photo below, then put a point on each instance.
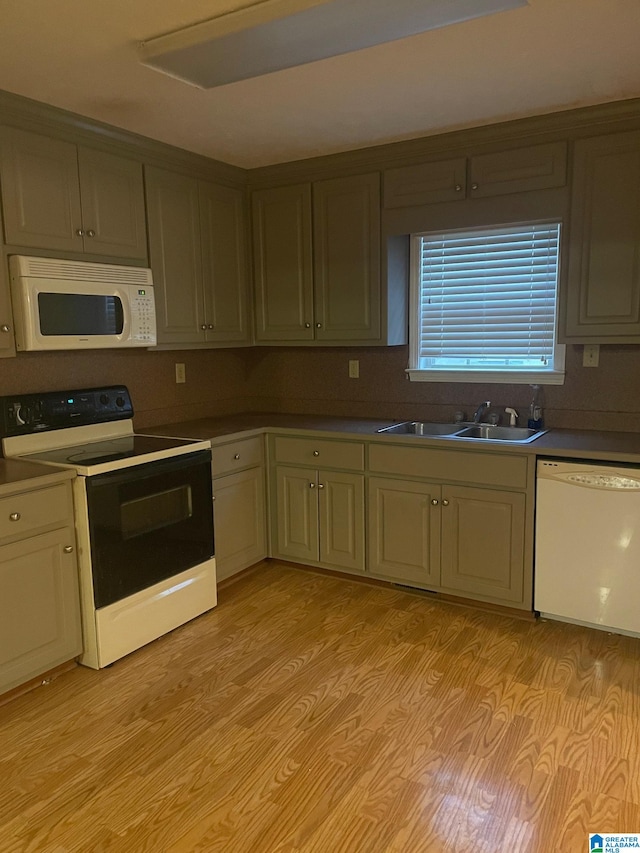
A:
(181, 374)
(354, 368)
(591, 355)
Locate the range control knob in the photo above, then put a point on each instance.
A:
(104, 399)
(120, 402)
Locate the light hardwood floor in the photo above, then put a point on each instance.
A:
(315, 714)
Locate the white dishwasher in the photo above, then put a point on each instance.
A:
(587, 559)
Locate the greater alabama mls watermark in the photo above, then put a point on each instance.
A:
(604, 843)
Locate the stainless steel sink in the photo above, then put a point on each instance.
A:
(476, 432)
(521, 435)
(421, 428)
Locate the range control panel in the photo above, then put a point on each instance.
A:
(23, 414)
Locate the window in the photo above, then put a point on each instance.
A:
(483, 305)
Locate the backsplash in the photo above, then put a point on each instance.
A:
(315, 381)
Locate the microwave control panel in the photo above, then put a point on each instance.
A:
(23, 414)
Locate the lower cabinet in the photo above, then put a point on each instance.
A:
(320, 517)
(39, 606)
(239, 505)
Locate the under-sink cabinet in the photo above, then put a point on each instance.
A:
(318, 498)
(454, 521)
(239, 505)
(39, 598)
(63, 197)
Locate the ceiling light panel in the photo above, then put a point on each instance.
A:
(278, 34)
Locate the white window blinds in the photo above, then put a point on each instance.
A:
(486, 298)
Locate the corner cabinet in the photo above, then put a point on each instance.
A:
(39, 598)
(319, 506)
(63, 197)
(317, 262)
(602, 299)
(198, 256)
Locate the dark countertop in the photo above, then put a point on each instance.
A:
(15, 473)
(606, 446)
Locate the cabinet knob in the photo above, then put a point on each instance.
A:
(445, 502)
(434, 502)
(68, 549)
(5, 328)
(203, 326)
(209, 325)
(213, 498)
(474, 186)
(91, 233)
(318, 325)
(80, 232)
(458, 188)
(236, 456)
(307, 325)
(15, 516)
(321, 485)
(316, 453)
(312, 485)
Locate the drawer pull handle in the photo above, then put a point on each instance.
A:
(316, 453)
(434, 502)
(236, 456)
(15, 516)
(68, 549)
(445, 502)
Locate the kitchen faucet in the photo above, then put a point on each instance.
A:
(479, 412)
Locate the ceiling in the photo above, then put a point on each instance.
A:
(82, 55)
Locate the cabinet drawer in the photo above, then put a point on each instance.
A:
(25, 513)
(244, 453)
(486, 468)
(309, 451)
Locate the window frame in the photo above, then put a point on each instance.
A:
(415, 373)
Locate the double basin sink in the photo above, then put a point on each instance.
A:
(477, 432)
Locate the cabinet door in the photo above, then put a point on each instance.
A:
(7, 339)
(341, 505)
(282, 263)
(534, 167)
(483, 543)
(404, 531)
(425, 183)
(603, 289)
(346, 247)
(40, 191)
(222, 223)
(174, 251)
(39, 607)
(112, 196)
(297, 514)
(239, 511)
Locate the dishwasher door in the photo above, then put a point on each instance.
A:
(587, 558)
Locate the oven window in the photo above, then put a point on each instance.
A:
(80, 314)
(153, 512)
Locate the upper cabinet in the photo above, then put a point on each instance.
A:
(515, 170)
(197, 253)
(602, 300)
(317, 262)
(63, 197)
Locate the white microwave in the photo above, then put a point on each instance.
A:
(62, 305)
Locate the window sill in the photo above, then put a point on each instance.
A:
(487, 377)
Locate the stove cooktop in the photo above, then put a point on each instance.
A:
(111, 450)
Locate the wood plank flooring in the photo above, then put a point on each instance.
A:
(310, 713)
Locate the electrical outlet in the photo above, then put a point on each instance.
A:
(181, 374)
(354, 368)
(591, 355)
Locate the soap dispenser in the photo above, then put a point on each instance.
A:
(535, 409)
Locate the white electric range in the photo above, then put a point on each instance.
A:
(143, 514)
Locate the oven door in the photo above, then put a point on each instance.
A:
(149, 522)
